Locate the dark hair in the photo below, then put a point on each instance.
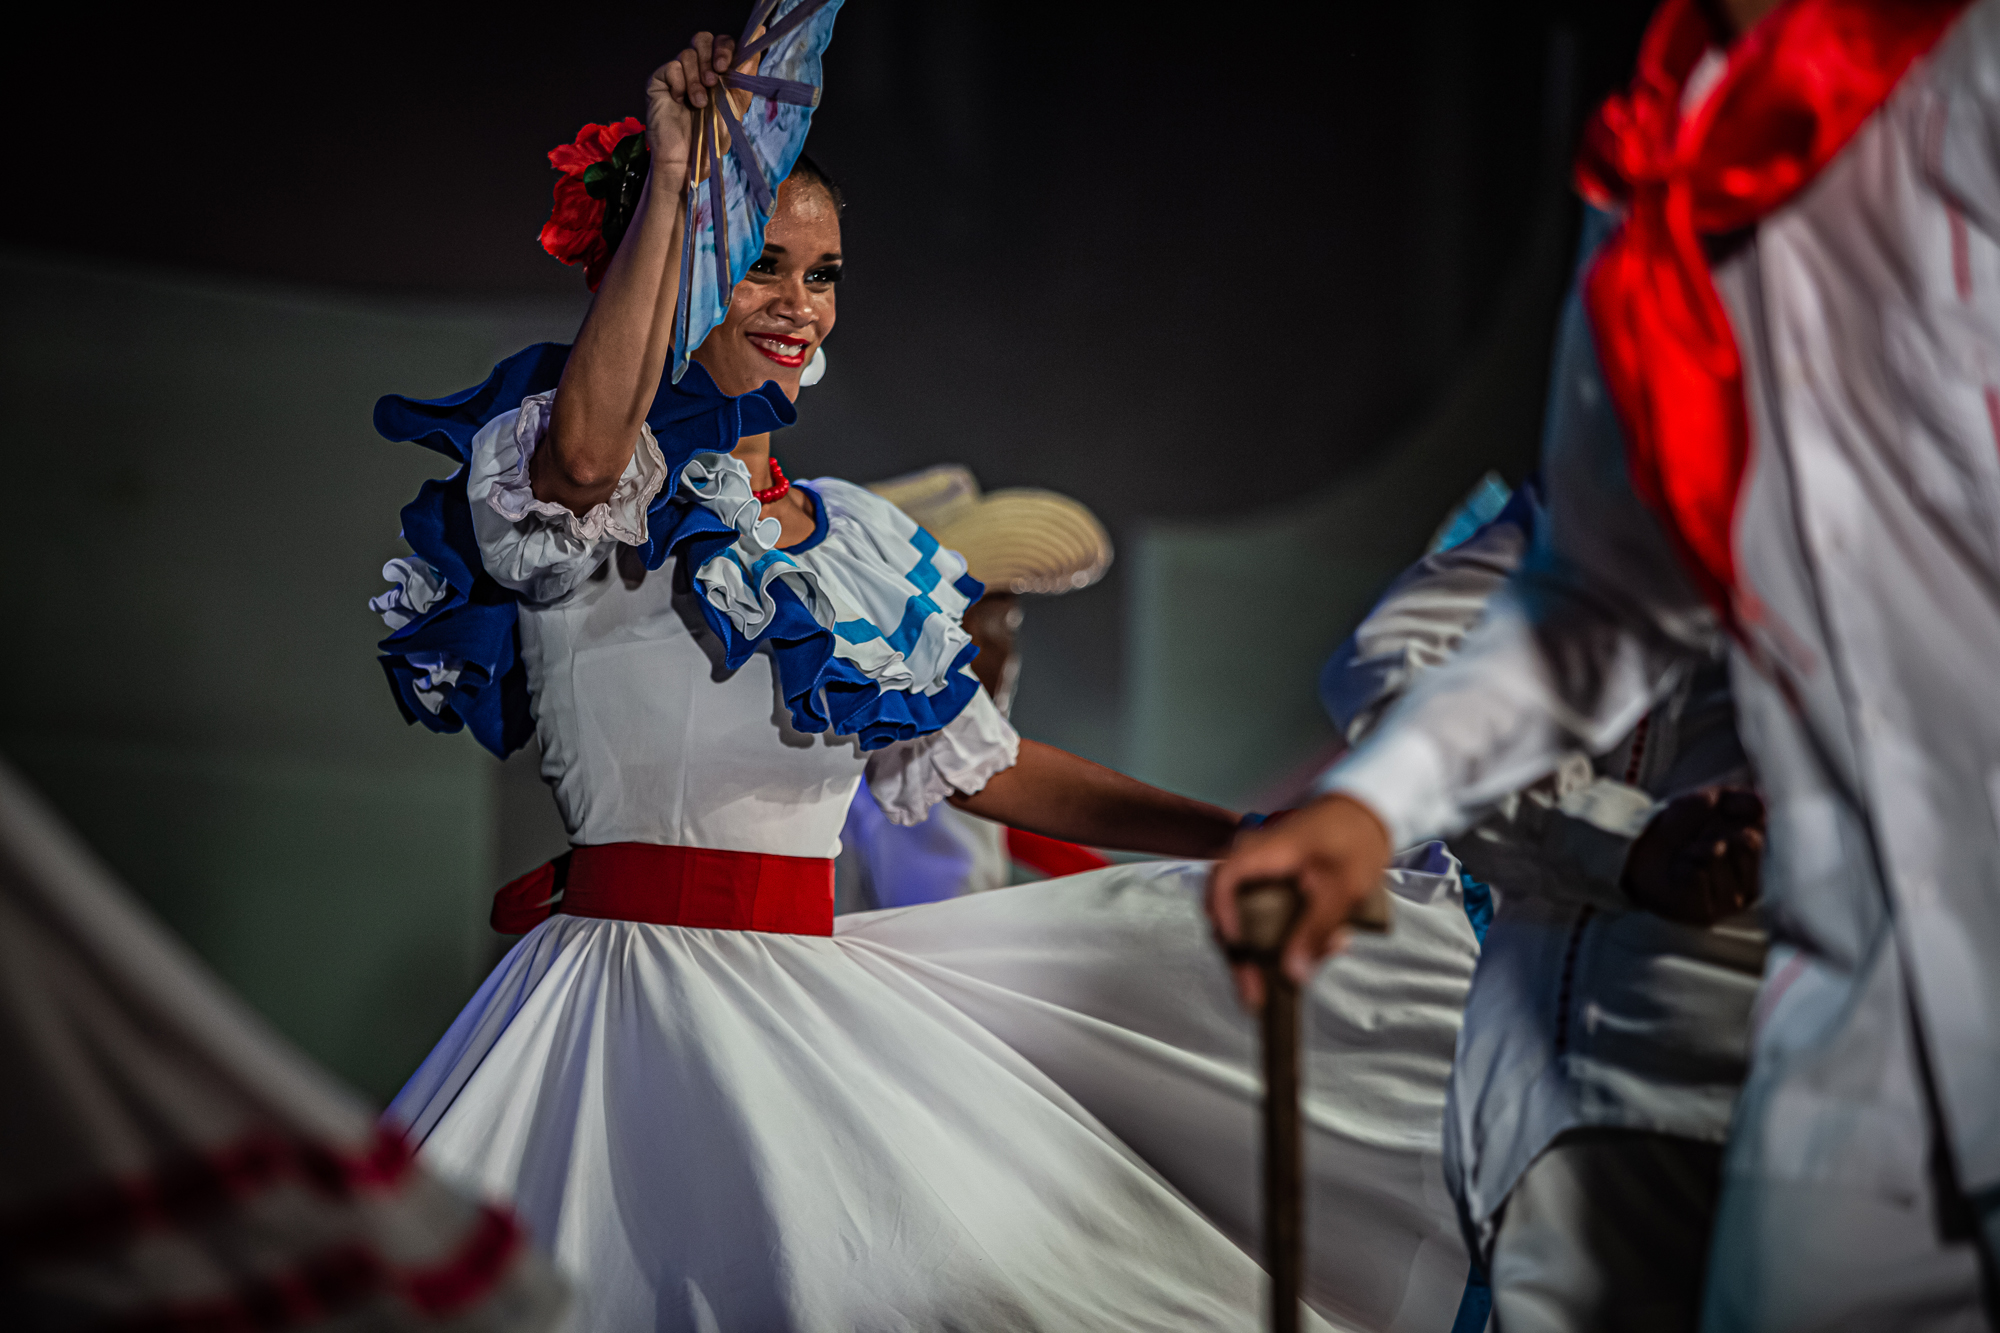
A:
(808, 172)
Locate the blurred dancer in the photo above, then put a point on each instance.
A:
(1608, 1024)
(1798, 322)
(166, 1162)
(1018, 543)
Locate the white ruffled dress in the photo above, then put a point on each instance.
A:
(1034, 1109)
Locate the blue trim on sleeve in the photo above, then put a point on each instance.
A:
(824, 693)
(917, 613)
(474, 624)
(477, 622)
(924, 574)
(448, 424)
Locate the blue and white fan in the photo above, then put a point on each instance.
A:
(736, 165)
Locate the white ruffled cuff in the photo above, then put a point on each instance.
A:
(910, 777)
(737, 580)
(419, 587)
(721, 483)
(621, 518)
(441, 672)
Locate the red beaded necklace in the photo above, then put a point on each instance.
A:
(779, 485)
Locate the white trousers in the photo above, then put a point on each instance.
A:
(1608, 1229)
(1830, 1218)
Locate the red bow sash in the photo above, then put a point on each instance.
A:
(1796, 89)
(674, 886)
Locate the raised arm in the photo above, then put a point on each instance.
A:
(621, 351)
(1058, 795)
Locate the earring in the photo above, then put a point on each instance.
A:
(815, 370)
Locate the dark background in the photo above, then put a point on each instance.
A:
(1181, 232)
(1179, 261)
(1267, 288)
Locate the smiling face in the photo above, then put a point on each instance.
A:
(783, 309)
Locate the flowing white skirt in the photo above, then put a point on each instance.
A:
(1027, 1109)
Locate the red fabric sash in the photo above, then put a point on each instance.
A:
(1051, 856)
(1797, 87)
(674, 886)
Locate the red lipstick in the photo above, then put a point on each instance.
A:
(783, 348)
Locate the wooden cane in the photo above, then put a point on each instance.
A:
(1266, 911)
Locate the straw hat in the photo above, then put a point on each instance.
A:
(1014, 540)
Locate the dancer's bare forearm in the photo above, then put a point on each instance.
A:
(1055, 793)
(620, 353)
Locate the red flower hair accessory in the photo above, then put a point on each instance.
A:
(602, 174)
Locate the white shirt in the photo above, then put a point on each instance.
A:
(645, 736)
(1583, 1011)
(1867, 312)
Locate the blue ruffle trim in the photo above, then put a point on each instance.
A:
(476, 625)
(854, 705)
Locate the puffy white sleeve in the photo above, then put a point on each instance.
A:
(910, 777)
(536, 547)
(1598, 623)
(1422, 619)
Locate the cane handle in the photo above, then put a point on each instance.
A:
(1267, 909)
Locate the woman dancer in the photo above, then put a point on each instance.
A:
(716, 1112)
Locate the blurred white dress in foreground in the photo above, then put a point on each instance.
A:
(167, 1162)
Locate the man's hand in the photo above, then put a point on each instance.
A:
(1697, 862)
(1335, 848)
